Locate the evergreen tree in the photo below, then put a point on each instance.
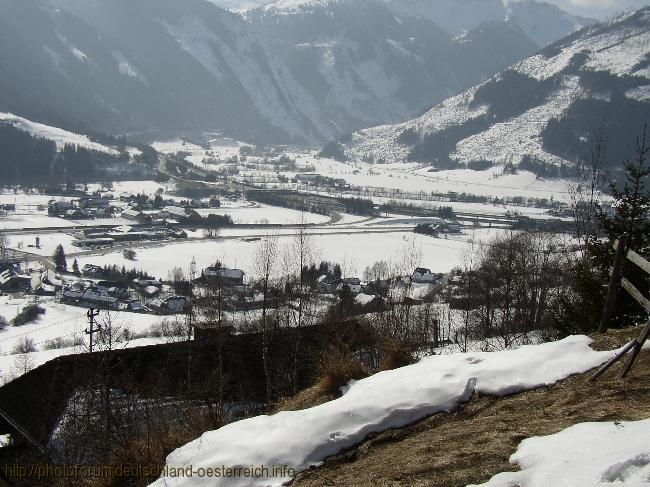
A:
(75, 267)
(631, 203)
(630, 215)
(59, 258)
(579, 309)
(337, 272)
(158, 201)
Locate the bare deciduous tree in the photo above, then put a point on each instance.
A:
(585, 192)
(513, 282)
(265, 262)
(298, 256)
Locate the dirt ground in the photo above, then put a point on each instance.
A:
(474, 443)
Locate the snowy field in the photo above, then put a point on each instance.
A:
(26, 201)
(12, 221)
(36, 221)
(459, 206)
(414, 177)
(315, 232)
(267, 215)
(60, 321)
(218, 147)
(352, 251)
(48, 242)
(175, 145)
(391, 399)
(136, 187)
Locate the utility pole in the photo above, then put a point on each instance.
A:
(91, 314)
(191, 292)
(190, 311)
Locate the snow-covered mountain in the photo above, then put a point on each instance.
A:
(290, 71)
(540, 112)
(59, 136)
(542, 22)
(364, 62)
(123, 65)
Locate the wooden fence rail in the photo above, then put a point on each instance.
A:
(634, 347)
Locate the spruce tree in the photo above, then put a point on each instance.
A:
(60, 262)
(580, 310)
(630, 216)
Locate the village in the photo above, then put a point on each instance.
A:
(109, 288)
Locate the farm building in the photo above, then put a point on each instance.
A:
(179, 214)
(168, 304)
(135, 215)
(231, 277)
(422, 275)
(90, 270)
(10, 281)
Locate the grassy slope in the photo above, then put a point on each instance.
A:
(474, 443)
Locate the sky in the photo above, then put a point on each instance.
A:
(598, 9)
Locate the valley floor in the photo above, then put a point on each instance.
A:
(474, 443)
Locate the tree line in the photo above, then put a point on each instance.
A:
(26, 159)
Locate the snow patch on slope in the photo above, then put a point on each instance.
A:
(127, 69)
(77, 53)
(521, 135)
(391, 399)
(60, 136)
(286, 7)
(382, 143)
(618, 51)
(640, 93)
(584, 455)
(453, 111)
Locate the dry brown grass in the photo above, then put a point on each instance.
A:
(305, 399)
(396, 355)
(474, 443)
(337, 371)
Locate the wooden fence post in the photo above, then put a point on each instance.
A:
(612, 290)
(635, 346)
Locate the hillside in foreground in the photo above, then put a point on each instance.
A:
(300, 439)
(474, 443)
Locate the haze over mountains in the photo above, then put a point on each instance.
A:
(541, 113)
(289, 72)
(599, 9)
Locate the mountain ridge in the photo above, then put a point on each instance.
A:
(540, 111)
(135, 66)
